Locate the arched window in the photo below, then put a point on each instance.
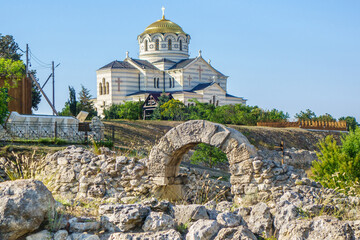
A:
(169, 45)
(217, 102)
(104, 86)
(213, 100)
(170, 82)
(154, 82)
(180, 45)
(158, 83)
(173, 82)
(100, 89)
(146, 45)
(107, 88)
(157, 45)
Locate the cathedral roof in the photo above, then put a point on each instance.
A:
(118, 64)
(144, 64)
(201, 86)
(164, 60)
(163, 26)
(182, 63)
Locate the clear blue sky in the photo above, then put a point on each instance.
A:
(289, 55)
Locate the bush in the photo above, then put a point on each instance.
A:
(209, 155)
(339, 165)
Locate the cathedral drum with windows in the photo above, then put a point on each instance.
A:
(163, 66)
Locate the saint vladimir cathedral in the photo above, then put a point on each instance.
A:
(163, 66)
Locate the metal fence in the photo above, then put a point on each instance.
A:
(34, 131)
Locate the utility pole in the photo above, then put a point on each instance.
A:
(53, 85)
(27, 60)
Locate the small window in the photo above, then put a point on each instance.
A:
(146, 45)
(158, 83)
(173, 82)
(169, 44)
(104, 86)
(217, 102)
(170, 83)
(157, 45)
(180, 45)
(154, 82)
(214, 100)
(100, 89)
(107, 88)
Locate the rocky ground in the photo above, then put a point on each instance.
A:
(108, 197)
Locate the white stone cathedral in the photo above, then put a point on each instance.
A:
(163, 66)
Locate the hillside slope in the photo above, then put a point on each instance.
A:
(142, 135)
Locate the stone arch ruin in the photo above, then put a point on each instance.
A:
(166, 156)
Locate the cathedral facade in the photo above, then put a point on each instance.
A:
(163, 66)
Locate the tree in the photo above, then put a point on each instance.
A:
(71, 108)
(156, 115)
(350, 122)
(207, 154)
(85, 102)
(131, 110)
(10, 73)
(174, 110)
(35, 93)
(9, 48)
(338, 166)
(326, 118)
(305, 116)
(112, 112)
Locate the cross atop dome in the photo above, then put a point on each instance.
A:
(163, 12)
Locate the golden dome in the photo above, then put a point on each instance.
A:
(163, 26)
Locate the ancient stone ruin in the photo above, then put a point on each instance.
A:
(249, 173)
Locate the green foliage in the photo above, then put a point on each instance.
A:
(173, 110)
(305, 116)
(85, 103)
(72, 101)
(350, 121)
(9, 48)
(326, 118)
(35, 93)
(339, 166)
(209, 155)
(156, 115)
(131, 110)
(112, 112)
(10, 73)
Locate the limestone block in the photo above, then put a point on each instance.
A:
(83, 225)
(260, 221)
(240, 232)
(203, 229)
(323, 227)
(189, 213)
(238, 169)
(219, 138)
(191, 131)
(156, 221)
(43, 235)
(67, 175)
(161, 235)
(173, 138)
(239, 154)
(240, 179)
(209, 130)
(228, 219)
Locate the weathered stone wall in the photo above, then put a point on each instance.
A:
(250, 174)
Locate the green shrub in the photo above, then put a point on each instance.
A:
(339, 165)
(209, 155)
